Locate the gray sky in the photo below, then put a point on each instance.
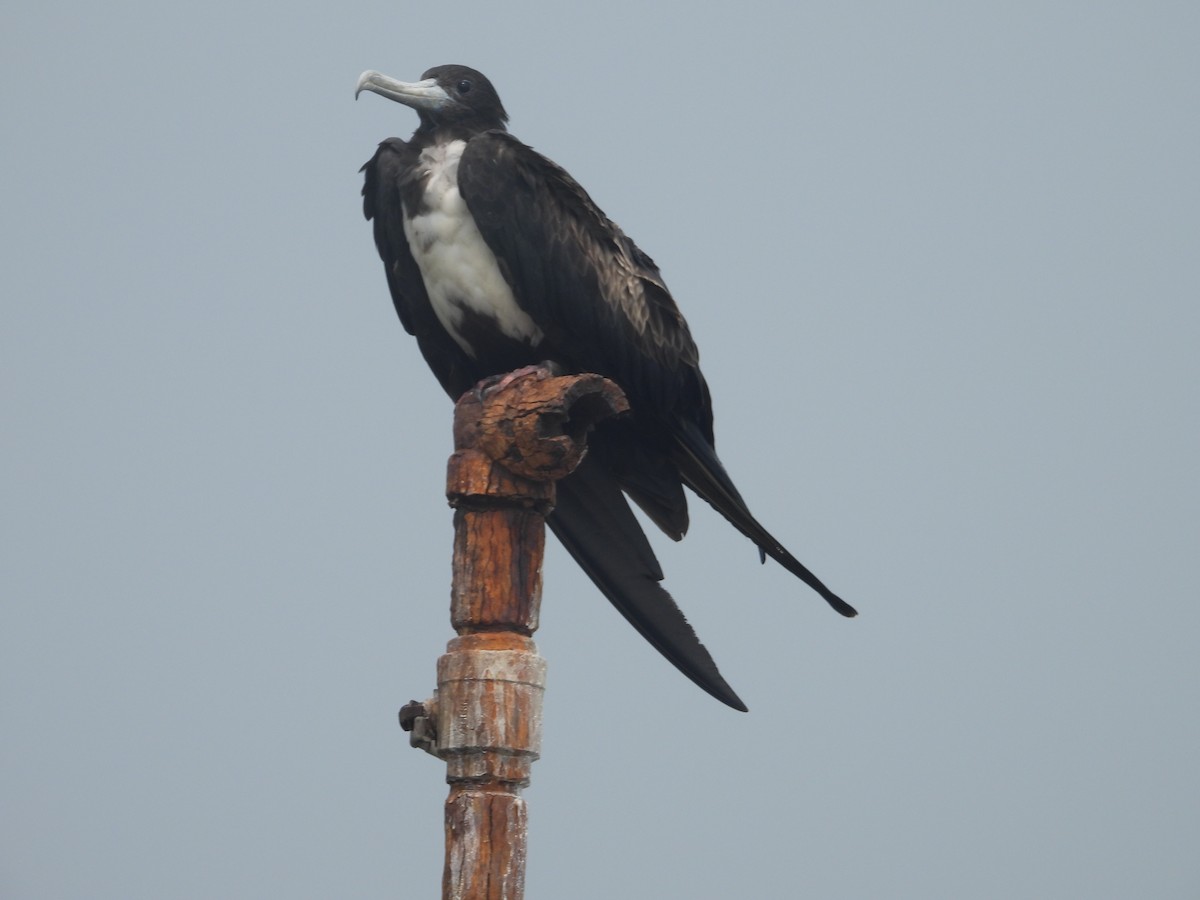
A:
(941, 261)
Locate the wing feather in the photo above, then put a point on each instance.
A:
(577, 274)
(595, 524)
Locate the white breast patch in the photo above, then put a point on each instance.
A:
(459, 268)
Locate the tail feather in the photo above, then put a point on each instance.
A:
(702, 471)
(594, 522)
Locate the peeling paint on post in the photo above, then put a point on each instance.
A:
(512, 441)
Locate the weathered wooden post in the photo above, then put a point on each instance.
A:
(512, 441)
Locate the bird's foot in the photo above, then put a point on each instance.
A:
(543, 370)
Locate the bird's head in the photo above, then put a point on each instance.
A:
(446, 96)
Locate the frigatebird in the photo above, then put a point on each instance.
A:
(497, 259)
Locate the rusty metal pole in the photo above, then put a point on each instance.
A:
(512, 441)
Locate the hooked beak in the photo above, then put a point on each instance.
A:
(419, 95)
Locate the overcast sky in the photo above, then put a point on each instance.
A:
(943, 264)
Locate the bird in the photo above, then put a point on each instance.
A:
(497, 259)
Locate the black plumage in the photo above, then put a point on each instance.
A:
(552, 278)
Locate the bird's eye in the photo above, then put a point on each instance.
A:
(464, 86)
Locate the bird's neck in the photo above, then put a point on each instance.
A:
(431, 132)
